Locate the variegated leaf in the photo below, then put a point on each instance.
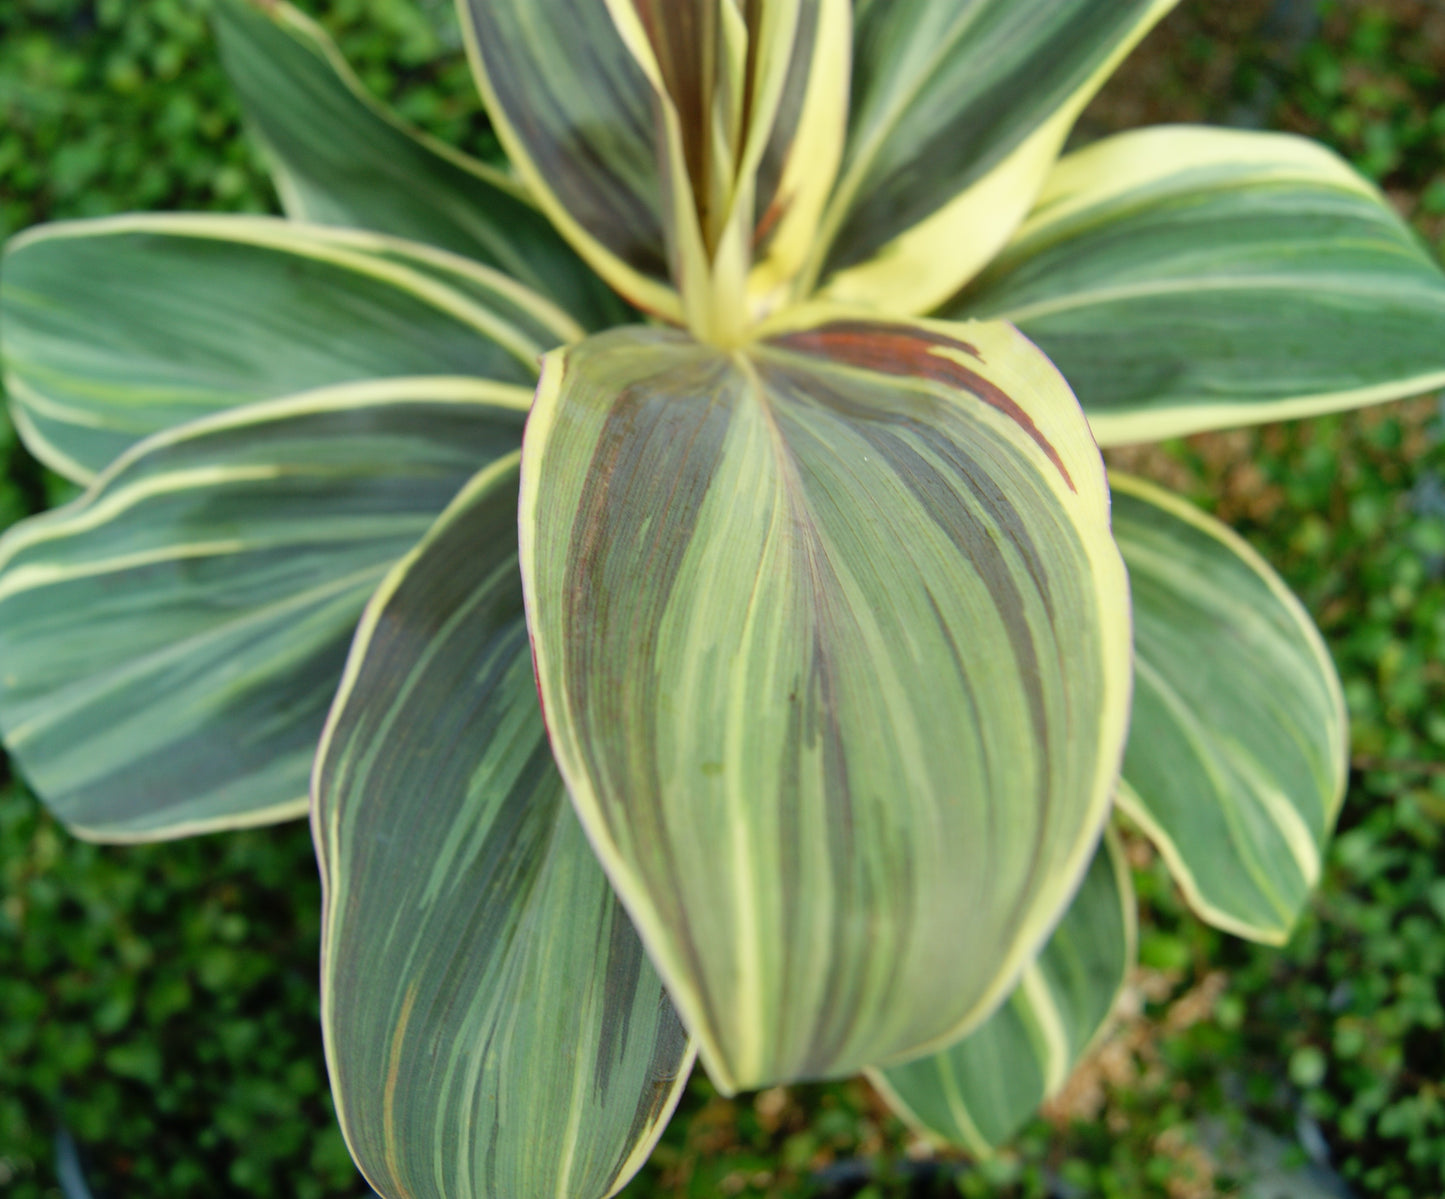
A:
(170, 641)
(339, 157)
(799, 158)
(1238, 748)
(833, 643)
(118, 328)
(575, 111)
(646, 129)
(1187, 278)
(979, 1092)
(695, 53)
(959, 109)
(695, 57)
(760, 171)
(738, 86)
(493, 1026)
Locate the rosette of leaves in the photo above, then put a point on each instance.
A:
(678, 573)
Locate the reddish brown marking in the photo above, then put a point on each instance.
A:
(908, 353)
(537, 682)
(769, 221)
(677, 31)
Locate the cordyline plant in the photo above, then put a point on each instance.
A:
(802, 536)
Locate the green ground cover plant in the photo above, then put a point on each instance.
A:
(753, 1138)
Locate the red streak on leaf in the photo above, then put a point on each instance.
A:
(909, 353)
(769, 221)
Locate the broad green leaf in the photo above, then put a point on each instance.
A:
(341, 158)
(1238, 750)
(575, 111)
(833, 644)
(493, 1026)
(1187, 278)
(979, 1092)
(960, 108)
(171, 640)
(116, 329)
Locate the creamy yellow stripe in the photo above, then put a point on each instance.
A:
(393, 1071)
(1137, 811)
(644, 1147)
(921, 268)
(1057, 1060)
(432, 389)
(342, 397)
(28, 578)
(461, 390)
(567, 1155)
(91, 510)
(733, 268)
(1283, 814)
(1190, 285)
(1202, 741)
(44, 405)
(1179, 420)
(292, 809)
(862, 160)
(1129, 904)
(973, 1140)
(812, 160)
(727, 106)
(519, 295)
(777, 33)
(628, 23)
(287, 191)
(1149, 161)
(712, 284)
(45, 450)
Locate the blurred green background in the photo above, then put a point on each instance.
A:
(159, 1003)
